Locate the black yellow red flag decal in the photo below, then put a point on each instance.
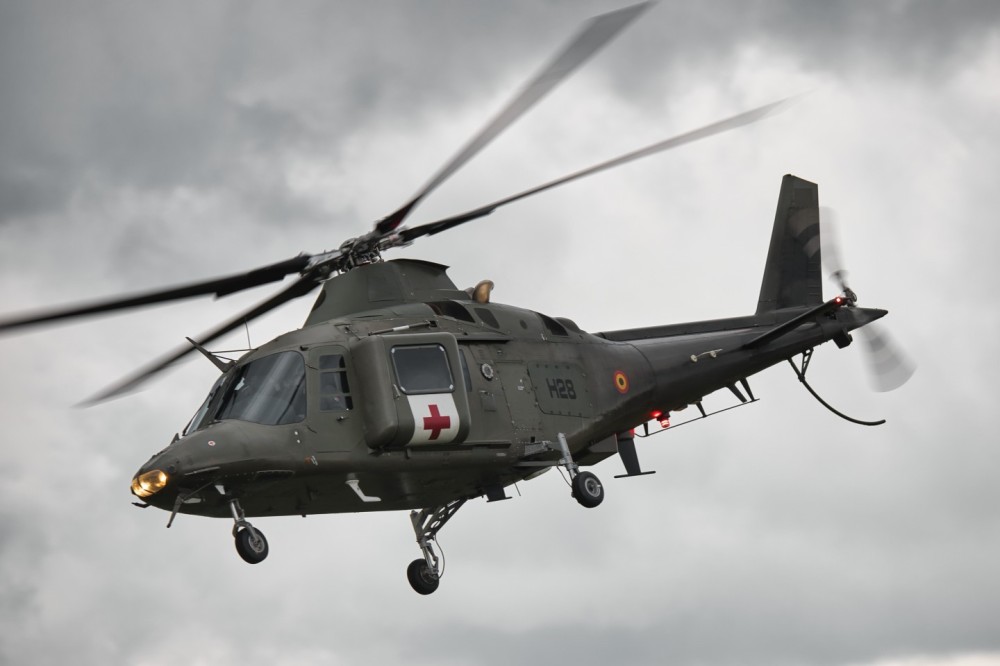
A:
(621, 382)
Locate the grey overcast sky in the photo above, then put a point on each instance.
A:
(144, 144)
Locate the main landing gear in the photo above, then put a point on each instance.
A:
(250, 542)
(587, 489)
(425, 575)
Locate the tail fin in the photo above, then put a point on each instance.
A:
(793, 276)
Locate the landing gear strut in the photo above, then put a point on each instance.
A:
(587, 488)
(250, 542)
(425, 575)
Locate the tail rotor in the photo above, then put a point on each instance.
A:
(831, 252)
(889, 367)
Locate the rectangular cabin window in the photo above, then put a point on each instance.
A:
(422, 369)
(334, 391)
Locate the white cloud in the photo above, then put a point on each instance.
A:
(975, 659)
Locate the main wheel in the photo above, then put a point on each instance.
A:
(587, 489)
(252, 550)
(422, 579)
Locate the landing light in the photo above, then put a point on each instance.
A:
(149, 483)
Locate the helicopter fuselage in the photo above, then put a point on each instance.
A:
(429, 396)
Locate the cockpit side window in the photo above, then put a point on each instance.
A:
(270, 391)
(334, 390)
(197, 421)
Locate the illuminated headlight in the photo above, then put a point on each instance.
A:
(149, 483)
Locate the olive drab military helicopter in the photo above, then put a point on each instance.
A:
(403, 392)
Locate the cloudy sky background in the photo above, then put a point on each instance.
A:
(145, 144)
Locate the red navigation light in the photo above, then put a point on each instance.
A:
(661, 416)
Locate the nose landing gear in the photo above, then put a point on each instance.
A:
(252, 546)
(250, 542)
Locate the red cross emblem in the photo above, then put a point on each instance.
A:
(435, 422)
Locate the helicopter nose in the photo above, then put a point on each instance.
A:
(159, 473)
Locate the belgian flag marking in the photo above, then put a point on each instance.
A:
(621, 382)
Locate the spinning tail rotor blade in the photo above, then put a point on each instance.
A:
(217, 286)
(890, 367)
(596, 33)
(739, 120)
(831, 246)
(300, 287)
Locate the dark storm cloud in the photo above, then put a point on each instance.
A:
(157, 97)
(93, 91)
(151, 98)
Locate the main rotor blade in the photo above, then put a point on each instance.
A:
(300, 287)
(597, 32)
(218, 286)
(733, 122)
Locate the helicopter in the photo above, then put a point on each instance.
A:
(403, 392)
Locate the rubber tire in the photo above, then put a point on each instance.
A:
(588, 490)
(421, 579)
(251, 552)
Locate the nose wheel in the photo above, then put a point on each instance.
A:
(250, 542)
(251, 545)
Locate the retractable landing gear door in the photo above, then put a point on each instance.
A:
(413, 390)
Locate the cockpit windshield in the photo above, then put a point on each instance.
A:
(270, 391)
